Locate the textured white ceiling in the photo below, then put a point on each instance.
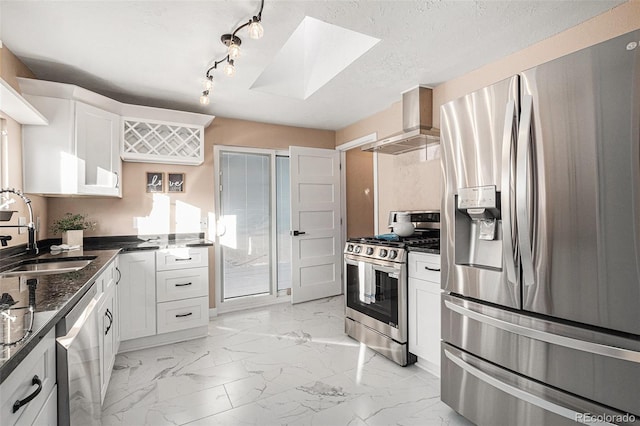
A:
(156, 52)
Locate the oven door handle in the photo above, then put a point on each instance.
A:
(387, 269)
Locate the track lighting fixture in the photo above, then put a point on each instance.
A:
(233, 42)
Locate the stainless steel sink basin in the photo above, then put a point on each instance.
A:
(48, 266)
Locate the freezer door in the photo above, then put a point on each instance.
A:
(591, 365)
(579, 211)
(489, 395)
(478, 134)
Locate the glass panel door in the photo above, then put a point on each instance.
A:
(245, 215)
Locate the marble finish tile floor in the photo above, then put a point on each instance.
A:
(279, 365)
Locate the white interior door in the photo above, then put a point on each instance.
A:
(316, 255)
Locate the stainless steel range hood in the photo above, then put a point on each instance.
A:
(417, 120)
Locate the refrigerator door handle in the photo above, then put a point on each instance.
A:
(543, 336)
(522, 181)
(508, 138)
(516, 391)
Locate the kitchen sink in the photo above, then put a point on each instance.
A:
(48, 266)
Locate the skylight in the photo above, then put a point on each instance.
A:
(314, 54)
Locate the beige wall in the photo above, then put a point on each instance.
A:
(407, 181)
(615, 22)
(359, 185)
(11, 145)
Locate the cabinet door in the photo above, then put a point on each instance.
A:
(107, 339)
(116, 315)
(424, 322)
(137, 295)
(49, 166)
(97, 145)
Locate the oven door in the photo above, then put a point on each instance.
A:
(376, 296)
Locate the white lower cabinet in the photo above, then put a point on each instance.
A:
(137, 295)
(424, 309)
(36, 371)
(174, 284)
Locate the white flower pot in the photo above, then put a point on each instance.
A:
(73, 238)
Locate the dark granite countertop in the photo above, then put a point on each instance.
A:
(56, 294)
(148, 242)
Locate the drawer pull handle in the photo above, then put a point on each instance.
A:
(432, 269)
(184, 315)
(19, 403)
(109, 316)
(183, 285)
(183, 259)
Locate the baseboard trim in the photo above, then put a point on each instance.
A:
(213, 312)
(163, 339)
(428, 366)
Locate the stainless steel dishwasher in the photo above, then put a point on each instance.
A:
(78, 364)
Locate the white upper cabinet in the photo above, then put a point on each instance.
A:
(158, 135)
(78, 153)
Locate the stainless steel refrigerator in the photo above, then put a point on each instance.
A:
(541, 243)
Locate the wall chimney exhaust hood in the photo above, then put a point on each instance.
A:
(417, 120)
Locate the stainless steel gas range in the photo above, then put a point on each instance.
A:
(376, 274)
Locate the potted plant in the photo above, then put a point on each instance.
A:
(72, 227)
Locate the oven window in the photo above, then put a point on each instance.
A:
(380, 300)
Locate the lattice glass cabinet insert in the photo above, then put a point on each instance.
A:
(157, 141)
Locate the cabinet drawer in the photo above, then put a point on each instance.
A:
(179, 258)
(424, 266)
(40, 362)
(183, 314)
(49, 413)
(182, 284)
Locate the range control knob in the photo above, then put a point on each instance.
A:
(382, 253)
(369, 251)
(350, 247)
(393, 254)
(358, 249)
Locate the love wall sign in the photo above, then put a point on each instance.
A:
(156, 182)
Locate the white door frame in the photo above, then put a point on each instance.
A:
(248, 301)
(343, 148)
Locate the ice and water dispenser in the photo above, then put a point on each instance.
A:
(478, 228)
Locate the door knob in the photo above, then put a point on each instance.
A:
(296, 233)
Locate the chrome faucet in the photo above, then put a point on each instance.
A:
(32, 247)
